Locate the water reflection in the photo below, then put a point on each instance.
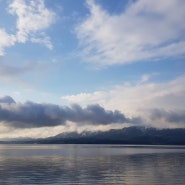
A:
(69, 166)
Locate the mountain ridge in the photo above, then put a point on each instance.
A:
(127, 135)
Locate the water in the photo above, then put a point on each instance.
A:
(92, 164)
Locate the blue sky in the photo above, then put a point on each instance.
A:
(124, 55)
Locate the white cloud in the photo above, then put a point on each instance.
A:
(138, 99)
(145, 78)
(44, 40)
(5, 41)
(145, 30)
(32, 18)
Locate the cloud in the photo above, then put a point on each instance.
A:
(13, 75)
(145, 30)
(43, 39)
(8, 70)
(6, 40)
(30, 115)
(138, 99)
(32, 17)
(7, 100)
(175, 116)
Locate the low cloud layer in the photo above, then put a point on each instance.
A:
(30, 115)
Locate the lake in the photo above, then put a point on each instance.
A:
(92, 164)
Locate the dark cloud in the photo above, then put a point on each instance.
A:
(32, 114)
(169, 116)
(7, 99)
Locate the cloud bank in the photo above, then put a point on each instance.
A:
(30, 115)
(145, 30)
(141, 99)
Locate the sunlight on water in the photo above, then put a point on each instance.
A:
(91, 164)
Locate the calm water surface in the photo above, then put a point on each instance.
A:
(92, 164)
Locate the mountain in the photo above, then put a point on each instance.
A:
(130, 135)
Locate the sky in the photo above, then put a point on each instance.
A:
(80, 65)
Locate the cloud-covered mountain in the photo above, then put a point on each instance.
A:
(129, 135)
